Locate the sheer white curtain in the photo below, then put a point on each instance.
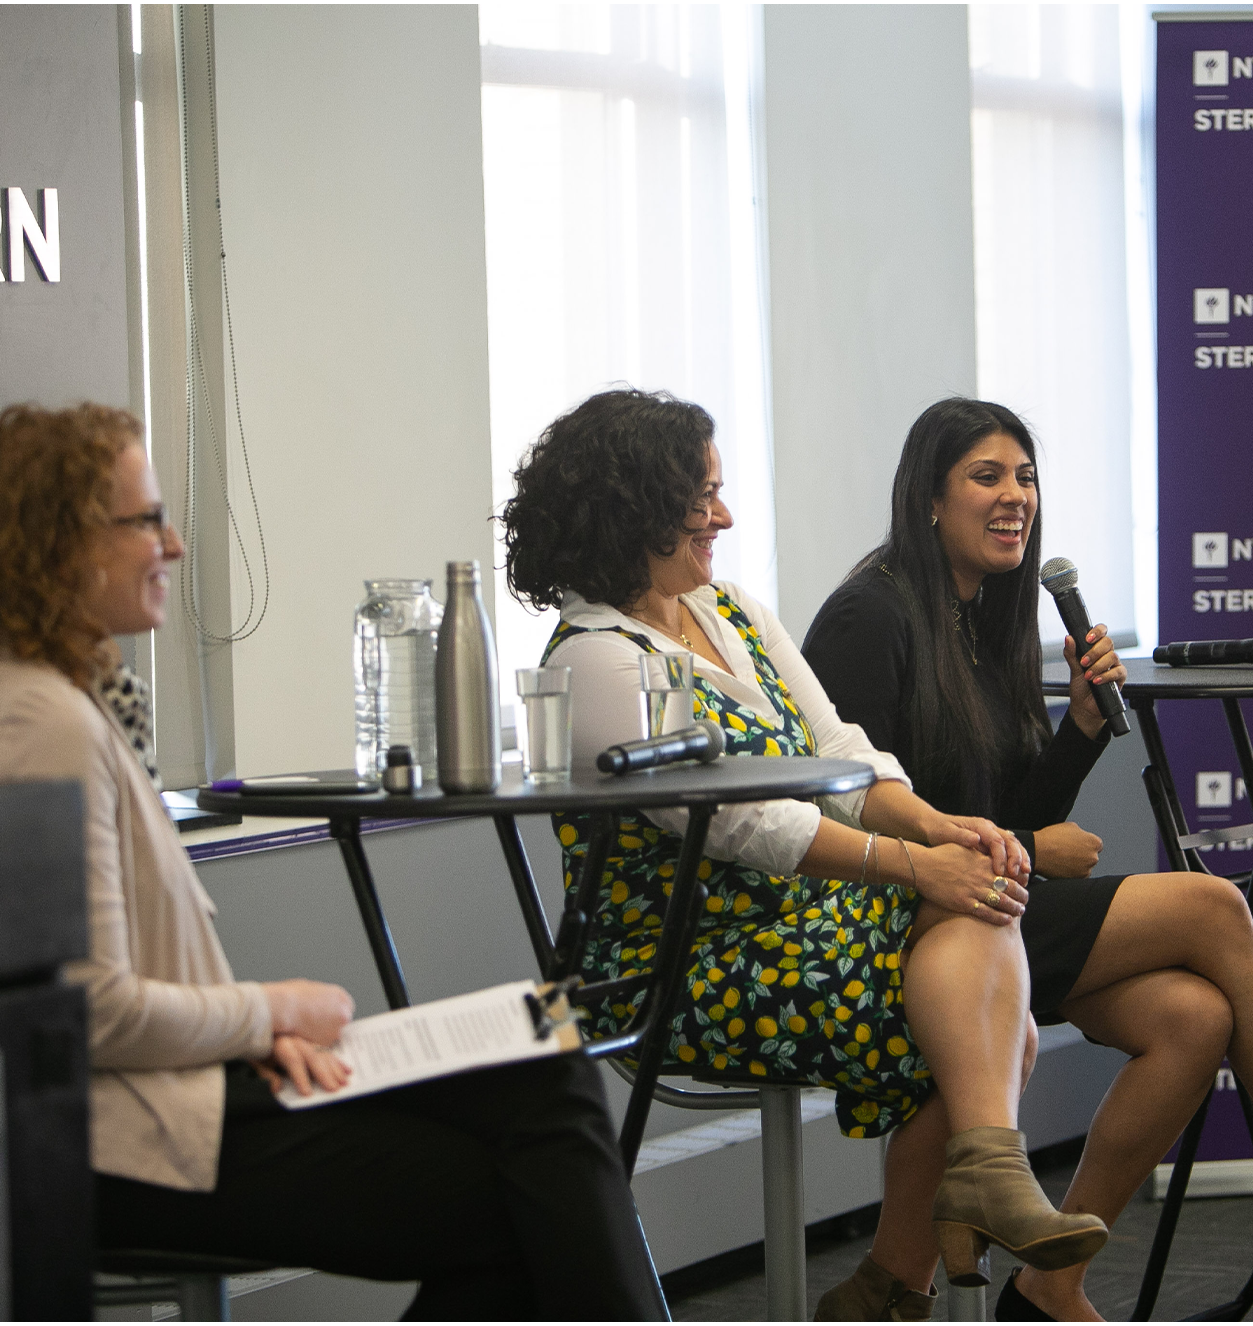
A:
(1051, 272)
(624, 243)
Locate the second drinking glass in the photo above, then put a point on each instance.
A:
(666, 693)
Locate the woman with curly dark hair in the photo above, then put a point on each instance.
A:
(907, 982)
(457, 1183)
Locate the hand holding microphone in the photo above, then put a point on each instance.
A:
(1059, 576)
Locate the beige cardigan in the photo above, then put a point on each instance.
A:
(165, 1011)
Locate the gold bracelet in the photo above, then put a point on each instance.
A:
(878, 870)
(910, 859)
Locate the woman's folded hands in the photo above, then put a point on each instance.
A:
(964, 880)
(307, 1017)
(1008, 856)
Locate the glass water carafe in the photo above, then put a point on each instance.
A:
(397, 629)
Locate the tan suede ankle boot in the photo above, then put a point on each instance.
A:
(989, 1195)
(872, 1294)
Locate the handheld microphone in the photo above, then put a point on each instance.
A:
(1204, 653)
(702, 741)
(1059, 576)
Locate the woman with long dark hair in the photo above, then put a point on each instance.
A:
(1159, 966)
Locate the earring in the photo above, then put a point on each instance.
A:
(935, 520)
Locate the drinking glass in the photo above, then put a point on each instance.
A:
(665, 693)
(546, 694)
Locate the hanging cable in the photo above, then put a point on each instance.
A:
(196, 373)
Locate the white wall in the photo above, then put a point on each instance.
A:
(66, 342)
(352, 197)
(871, 265)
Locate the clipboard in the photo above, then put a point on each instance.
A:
(503, 1024)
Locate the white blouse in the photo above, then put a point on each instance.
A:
(605, 696)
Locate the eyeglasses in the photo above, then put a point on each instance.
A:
(155, 521)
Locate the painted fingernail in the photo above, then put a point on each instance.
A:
(1084, 661)
(1091, 636)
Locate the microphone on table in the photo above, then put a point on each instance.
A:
(702, 741)
(1059, 576)
(1204, 653)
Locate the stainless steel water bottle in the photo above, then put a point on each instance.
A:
(467, 697)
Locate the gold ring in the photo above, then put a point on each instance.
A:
(976, 906)
(993, 899)
(1000, 882)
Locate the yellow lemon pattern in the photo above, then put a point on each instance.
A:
(810, 967)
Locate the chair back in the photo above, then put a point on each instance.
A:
(45, 1168)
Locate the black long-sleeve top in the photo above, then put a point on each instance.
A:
(861, 648)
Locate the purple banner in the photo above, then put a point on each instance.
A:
(1205, 391)
(1225, 1136)
(1205, 422)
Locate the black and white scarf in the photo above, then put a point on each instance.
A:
(130, 701)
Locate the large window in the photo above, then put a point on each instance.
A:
(1055, 290)
(624, 243)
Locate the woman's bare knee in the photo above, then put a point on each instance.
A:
(1200, 1017)
(1210, 901)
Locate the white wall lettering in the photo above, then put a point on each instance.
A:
(1244, 306)
(24, 229)
(1242, 67)
(1242, 550)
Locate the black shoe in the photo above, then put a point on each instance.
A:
(1013, 1306)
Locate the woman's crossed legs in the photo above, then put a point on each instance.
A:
(1170, 975)
(1170, 982)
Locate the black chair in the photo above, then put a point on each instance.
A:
(46, 1185)
(126, 1277)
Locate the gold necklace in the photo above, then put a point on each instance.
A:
(681, 636)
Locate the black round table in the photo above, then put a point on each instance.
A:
(701, 788)
(1147, 682)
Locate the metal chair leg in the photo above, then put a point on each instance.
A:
(783, 1192)
(203, 1298)
(967, 1304)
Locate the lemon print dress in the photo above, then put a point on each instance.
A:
(791, 977)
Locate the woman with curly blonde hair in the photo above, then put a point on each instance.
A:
(56, 477)
(457, 1183)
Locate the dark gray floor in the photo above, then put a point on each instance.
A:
(1211, 1259)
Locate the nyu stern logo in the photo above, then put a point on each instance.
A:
(1211, 68)
(1210, 550)
(1211, 304)
(1214, 790)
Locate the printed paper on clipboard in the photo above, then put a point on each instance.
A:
(504, 1024)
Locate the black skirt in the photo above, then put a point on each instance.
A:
(1059, 927)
